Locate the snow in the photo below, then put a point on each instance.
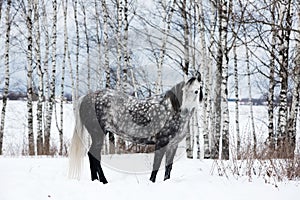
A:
(45, 178)
(41, 178)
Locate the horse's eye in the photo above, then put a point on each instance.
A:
(196, 91)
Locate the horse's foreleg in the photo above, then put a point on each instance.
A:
(159, 154)
(170, 154)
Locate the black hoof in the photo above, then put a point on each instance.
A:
(152, 179)
(153, 176)
(104, 181)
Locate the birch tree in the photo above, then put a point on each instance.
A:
(185, 68)
(217, 86)
(75, 7)
(250, 92)
(53, 80)
(99, 45)
(292, 120)
(119, 42)
(236, 95)
(63, 69)
(7, 69)
(221, 92)
(39, 140)
(271, 135)
(162, 50)
(213, 101)
(126, 50)
(283, 37)
(87, 43)
(105, 38)
(206, 71)
(46, 36)
(29, 23)
(106, 65)
(225, 11)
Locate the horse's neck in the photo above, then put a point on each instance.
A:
(177, 90)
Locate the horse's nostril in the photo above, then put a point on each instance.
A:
(196, 92)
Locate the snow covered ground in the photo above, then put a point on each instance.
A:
(45, 178)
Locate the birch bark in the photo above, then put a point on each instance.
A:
(29, 23)
(236, 94)
(224, 18)
(271, 135)
(292, 120)
(126, 50)
(47, 132)
(105, 34)
(99, 46)
(75, 6)
(284, 40)
(39, 139)
(7, 71)
(250, 94)
(87, 44)
(206, 71)
(213, 101)
(62, 84)
(119, 43)
(166, 30)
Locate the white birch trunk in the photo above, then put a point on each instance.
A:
(126, 51)
(87, 40)
(119, 43)
(166, 30)
(105, 35)
(7, 71)
(271, 136)
(250, 93)
(46, 67)
(206, 88)
(284, 39)
(292, 121)
(53, 77)
(98, 25)
(185, 67)
(65, 54)
(236, 93)
(106, 66)
(219, 86)
(39, 139)
(211, 96)
(77, 50)
(29, 23)
(224, 90)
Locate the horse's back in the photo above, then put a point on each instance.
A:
(129, 117)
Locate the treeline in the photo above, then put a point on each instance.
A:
(142, 47)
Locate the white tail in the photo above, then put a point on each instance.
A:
(77, 149)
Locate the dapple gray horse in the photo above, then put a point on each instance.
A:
(161, 120)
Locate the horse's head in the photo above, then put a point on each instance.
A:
(192, 93)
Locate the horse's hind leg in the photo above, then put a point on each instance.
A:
(170, 154)
(90, 121)
(95, 158)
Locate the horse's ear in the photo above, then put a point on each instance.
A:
(198, 75)
(201, 94)
(174, 100)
